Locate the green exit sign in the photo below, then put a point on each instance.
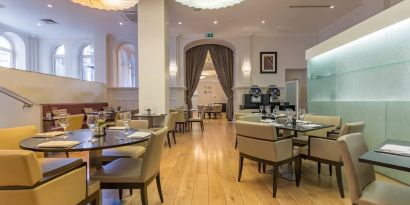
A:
(209, 35)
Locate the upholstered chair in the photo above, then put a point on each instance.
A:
(75, 122)
(240, 113)
(200, 109)
(24, 180)
(218, 110)
(199, 120)
(10, 138)
(88, 110)
(132, 151)
(363, 186)
(325, 150)
(336, 121)
(258, 142)
(170, 123)
(181, 122)
(59, 112)
(251, 118)
(131, 173)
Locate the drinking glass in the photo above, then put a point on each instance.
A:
(301, 115)
(64, 123)
(276, 112)
(102, 116)
(261, 107)
(126, 118)
(289, 115)
(92, 121)
(268, 110)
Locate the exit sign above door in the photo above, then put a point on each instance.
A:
(209, 35)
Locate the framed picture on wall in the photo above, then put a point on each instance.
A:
(268, 62)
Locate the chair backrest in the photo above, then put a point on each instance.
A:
(88, 110)
(180, 115)
(359, 175)
(19, 168)
(202, 116)
(171, 120)
(259, 140)
(10, 137)
(218, 108)
(134, 124)
(323, 119)
(75, 122)
(353, 127)
(153, 154)
(250, 118)
(59, 112)
(200, 108)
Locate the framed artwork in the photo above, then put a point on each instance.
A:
(268, 62)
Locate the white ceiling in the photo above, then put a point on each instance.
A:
(243, 19)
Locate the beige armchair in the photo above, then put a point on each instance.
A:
(24, 180)
(363, 186)
(181, 122)
(240, 113)
(171, 127)
(218, 110)
(132, 151)
(322, 119)
(10, 137)
(251, 118)
(198, 120)
(325, 150)
(258, 142)
(130, 173)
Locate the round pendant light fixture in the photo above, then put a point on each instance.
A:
(209, 4)
(110, 5)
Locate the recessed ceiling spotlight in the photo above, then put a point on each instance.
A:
(49, 6)
(121, 23)
(263, 22)
(39, 24)
(179, 23)
(215, 22)
(332, 7)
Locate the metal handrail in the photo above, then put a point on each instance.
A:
(27, 103)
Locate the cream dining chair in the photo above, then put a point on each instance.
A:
(131, 173)
(363, 186)
(258, 142)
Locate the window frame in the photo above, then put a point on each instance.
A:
(11, 51)
(82, 56)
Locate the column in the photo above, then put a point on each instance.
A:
(153, 57)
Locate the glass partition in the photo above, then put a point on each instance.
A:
(367, 80)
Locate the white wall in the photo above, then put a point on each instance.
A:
(42, 88)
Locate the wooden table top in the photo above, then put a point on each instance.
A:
(300, 128)
(388, 160)
(111, 140)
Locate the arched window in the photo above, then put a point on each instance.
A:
(6, 53)
(58, 61)
(87, 63)
(126, 66)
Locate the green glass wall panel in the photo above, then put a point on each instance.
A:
(367, 80)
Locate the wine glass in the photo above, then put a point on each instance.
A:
(261, 107)
(301, 115)
(276, 112)
(102, 116)
(64, 123)
(126, 118)
(92, 121)
(268, 109)
(289, 115)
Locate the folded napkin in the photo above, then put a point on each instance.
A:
(275, 124)
(49, 134)
(304, 122)
(58, 144)
(395, 149)
(311, 125)
(267, 120)
(139, 135)
(117, 128)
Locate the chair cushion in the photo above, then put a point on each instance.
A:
(124, 170)
(304, 150)
(383, 193)
(92, 186)
(53, 166)
(301, 139)
(123, 152)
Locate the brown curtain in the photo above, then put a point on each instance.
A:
(222, 58)
(195, 61)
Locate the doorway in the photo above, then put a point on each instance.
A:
(301, 76)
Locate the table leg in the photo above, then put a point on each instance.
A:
(95, 160)
(286, 172)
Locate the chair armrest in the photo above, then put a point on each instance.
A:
(324, 148)
(333, 132)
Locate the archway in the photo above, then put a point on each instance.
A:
(126, 65)
(223, 60)
(19, 50)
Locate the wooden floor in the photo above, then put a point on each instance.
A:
(202, 169)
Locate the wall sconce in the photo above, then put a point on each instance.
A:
(173, 69)
(246, 68)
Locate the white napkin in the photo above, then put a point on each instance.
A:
(311, 125)
(304, 122)
(49, 134)
(396, 149)
(139, 135)
(58, 144)
(267, 121)
(275, 124)
(116, 128)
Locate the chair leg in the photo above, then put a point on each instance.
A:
(173, 136)
(240, 168)
(120, 194)
(339, 180)
(144, 195)
(264, 168)
(236, 142)
(259, 167)
(298, 170)
(67, 155)
(330, 170)
(183, 128)
(319, 165)
(158, 179)
(169, 143)
(131, 192)
(202, 126)
(275, 178)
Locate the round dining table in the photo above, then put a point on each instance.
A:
(112, 139)
(149, 117)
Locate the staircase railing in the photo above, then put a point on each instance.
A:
(27, 103)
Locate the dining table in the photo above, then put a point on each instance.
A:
(86, 142)
(150, 117)
(389, 159)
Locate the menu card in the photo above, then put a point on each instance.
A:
(139, 135)
(395, 149)
(49, 134)
(58, 144)
(117, 128)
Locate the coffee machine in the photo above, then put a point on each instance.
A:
(273, 93)
(256, 94)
